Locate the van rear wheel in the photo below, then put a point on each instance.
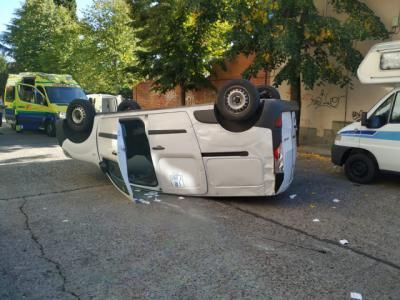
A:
(361, 168)
(238, 100)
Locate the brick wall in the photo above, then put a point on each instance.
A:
(234, 68)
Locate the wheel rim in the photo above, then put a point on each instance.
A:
(237, 100)
(78, 115)
(359, 168)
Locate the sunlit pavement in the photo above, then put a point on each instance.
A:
(66, 232)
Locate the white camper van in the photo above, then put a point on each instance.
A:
(373, 144)
(244, 145)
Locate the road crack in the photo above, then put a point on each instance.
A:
(43, 255)
(52, 193)
(314, 237)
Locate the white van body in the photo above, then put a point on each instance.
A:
(373, 144)
(189, 152)
(105, 103)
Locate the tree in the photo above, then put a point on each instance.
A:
(3, 74)
(105, 49)
(41, 37)
(303, 46)
(179, 40)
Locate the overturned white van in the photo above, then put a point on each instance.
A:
(373, 144)
(244, 145)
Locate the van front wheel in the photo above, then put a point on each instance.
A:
(361, 168)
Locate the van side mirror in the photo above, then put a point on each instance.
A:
(364, 120)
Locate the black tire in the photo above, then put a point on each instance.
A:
(50, 128)
(127, 105)
(238, 100)
(268, 92)
(80, 115)
(361, 168)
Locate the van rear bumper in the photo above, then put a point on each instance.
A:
(338, 154)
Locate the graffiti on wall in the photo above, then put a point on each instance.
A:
(325, 100)
(356, 115)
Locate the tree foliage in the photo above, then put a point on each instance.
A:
(41, 37)
(302, 45)
(68, 4)
(105, 48)
(179, 42)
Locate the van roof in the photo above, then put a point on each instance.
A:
(43, 78)
(381, 65)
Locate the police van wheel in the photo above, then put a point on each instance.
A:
(50, 129)
(268, 92)
(361, 168)
(238, 100)
(80, 115)
(127, 105)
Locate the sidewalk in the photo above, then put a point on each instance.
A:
(320, 149)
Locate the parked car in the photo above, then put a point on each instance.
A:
(373, 144)
(241, 146)
(36, 100)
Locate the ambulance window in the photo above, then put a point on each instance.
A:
(383, 111)
(10, 93)
(396, 110)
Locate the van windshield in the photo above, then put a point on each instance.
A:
(64, 95)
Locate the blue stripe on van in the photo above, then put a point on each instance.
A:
(373, 134)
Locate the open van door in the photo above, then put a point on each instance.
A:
(122, 159)
(381, 65)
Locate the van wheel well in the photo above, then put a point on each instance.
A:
(356, 151)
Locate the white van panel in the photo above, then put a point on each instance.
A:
(179, 165)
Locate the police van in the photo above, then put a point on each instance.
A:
(373, 144)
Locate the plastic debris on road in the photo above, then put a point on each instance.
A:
(143, 201)
(344, 242)
(355, 296)
(336, 200)
(316, 220)
(157, 200)
(65, 221)
(181, 198)
(293, 196)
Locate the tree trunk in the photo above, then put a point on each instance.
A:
(183, 96)
(295, 95)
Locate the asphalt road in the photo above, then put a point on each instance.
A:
(67, 233)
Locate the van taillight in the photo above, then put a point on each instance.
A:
(277, 152)
(278, 122)
(278, 159)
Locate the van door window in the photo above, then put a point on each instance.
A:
(383, 111)
(10, 93)
(39, 96)
(395, 118)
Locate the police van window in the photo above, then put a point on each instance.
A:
(384, 110)
(395, 118)
(10, 93)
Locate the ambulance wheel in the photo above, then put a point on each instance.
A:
(127, 105)
(238, 100)
(268, 92)
(80, 115)
(361, 168)
(50, 129)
